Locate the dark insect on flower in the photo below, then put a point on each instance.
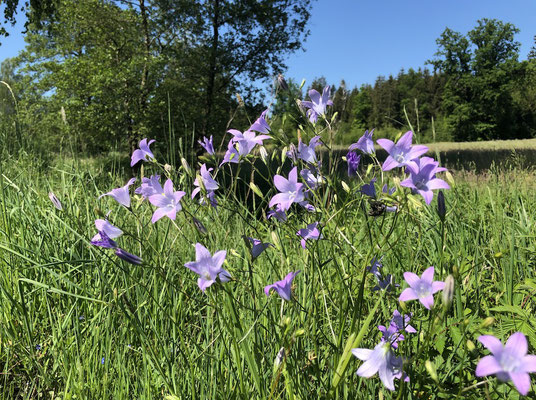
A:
(377, 208)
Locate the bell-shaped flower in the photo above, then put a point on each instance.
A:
(257, 247)
(121, 195)
(290, 190)
(278, 214)
(107, 243)
(311, 232)
(168, 203)
(55, 201)
(128, 257)
(422, 288)
(207, 144)
(422, 179)
(205, 180)
(365, 143)
(282, 287)
(509, 362)
(369, 189)
(144, 153)
(247, 141)
(307, 152)
(352, 159)
(150, 186)
(111, 231)
(317, 105)
(231, 155)
(391, 335)
(402, 153)
(260, 125)
(208, 267)
(312, 181)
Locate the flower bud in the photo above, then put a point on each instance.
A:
(264, 155)
(441, 208)
(487, 322)
(279, 357)
(448, 292)
(186, 166)
(470, 345)
(199, 226)
(282, 83)
(431, 368)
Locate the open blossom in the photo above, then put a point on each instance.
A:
(260, 125)
(55, 201)
(311, 232)
(247, 141)
(391, 335)
(365, 143)
(369, 189)
(168, 203)
(312, 180)
(307, 152)
(121, 195)
(257, 247)
(317, 105)
(422, 178)
(231, 155)
(144, 153)
(206, 180)
(150, 186)
(111, 231)
(402, 153)
(509, 362)
(291, 190)
(207, 144)
(208, 267)
(402, 322)
(282, 287)
(381, 360)
(422, 288)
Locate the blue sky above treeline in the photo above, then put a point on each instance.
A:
(358, 40)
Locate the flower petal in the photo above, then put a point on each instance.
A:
(491, 343)
(521, 381)
(529, 363)
(487, 366)
(428, 275)
(517, 344)
(411, 278)
(362, 354)
(427, 301)
(408, 294)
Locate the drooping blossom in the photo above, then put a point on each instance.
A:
(207, 144)
(422, 288)
(144, 153)
(260, 125)
(290, 190)
(168, 203)
(128, 257)
(352, 159)
(121, 195)
(311, 232)
(106, 242)
(317, 105)
(365, 143)
(55, 201)
(307, 152)
(282, 287)
(381, 360)
(150, 186)
(312, 180)
(111, 231)
(386, 283)
(257, 247)
(375, 266)
(206, 181)
(208, 267)
(509, 362)
(402, 153)
(422, 179)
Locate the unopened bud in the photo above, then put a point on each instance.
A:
(441, 208)
(279, 357)
(282, 83)
(168, 168)
(264, 155)
(286, 321)
(431, 368)
(448, 292)
(186, 166)
(199, 226)
(470, 345)
(487, 322)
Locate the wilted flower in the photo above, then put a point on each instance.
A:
(510, 362)
(352, 160)
(317, 105)
(150, 186)
(448, 291)
(55, 201)
(168, 203)
(282, 82)
(207, 144)
(422, 289)
(121, 195)
(369, 189)
(441, 208)
(143, 153)
(402, 153)
(278, 214)
(257, 247)
(208, 267)
(291, 190)
(282, 287)
(375, 266)
(309, 233)
(365, 143)
(107, 243)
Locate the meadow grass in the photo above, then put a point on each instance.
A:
(76, 322)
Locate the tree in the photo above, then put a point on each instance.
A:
(35, 11)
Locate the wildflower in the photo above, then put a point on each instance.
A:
(278, 214)
(310, 179)
(38, 347)
(386, 283)
(121, 195)
(207, 144)
(421, 288)
(375, 266)
(386, 190)
(352, 159)
(317, 105)
(402, 322)
(55, 201)
(441, 209)
(111, 231)
(257, 247)
(381, 360)
(231, 155)
(307, 152)
(282, 82)
(168, 203)
(422, 180)
(143, 153)
(369, 189)
(309, 233)
(260, 125)
(510, 362)
(199, 226)
(208, 267)
(106, 242)
(391, 335)
(102, 360)
(291, 190)
(206, 181)
(402, 153)
(247, 141)
(282, 287)
(365, 143)
(150, 186)
(128, 257)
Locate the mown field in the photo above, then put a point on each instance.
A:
(78, 323)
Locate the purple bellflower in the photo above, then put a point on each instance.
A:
(206, 180)
(317, 105)
(402, 322)
(312, 180)
(278, 214)
(150, 186)
(55, 201)
(381, 360)
(391, 335)
(143, 153)
(111, 231)
(365, 143)
(260, 125)
(309, 233)
(257, 247)
(107, 243)
(369, 189)
(290, 190)
(402, 153)
(207, 144)
(421, 288)
(126, 256)
(121, 195)
(375, 266)
(231, 155)
(283, 287)
(352, 159)
(168, 203)
(422, 179)
(208, 267)
(307, 152)
(247, 141)
(510, 362)
(386, 283)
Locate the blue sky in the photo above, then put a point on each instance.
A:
(357, 40)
